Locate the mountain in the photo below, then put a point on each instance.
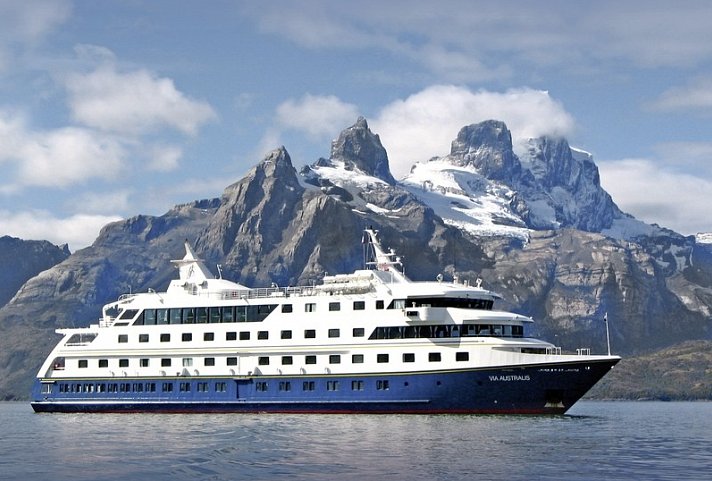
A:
(537, 228)
(23, 259)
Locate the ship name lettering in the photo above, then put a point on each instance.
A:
(510, 378)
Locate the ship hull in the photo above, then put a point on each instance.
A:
(550, 388)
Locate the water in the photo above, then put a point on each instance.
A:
(595, 441)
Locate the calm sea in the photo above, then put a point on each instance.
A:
(595, 441)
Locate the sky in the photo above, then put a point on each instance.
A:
(117, 108)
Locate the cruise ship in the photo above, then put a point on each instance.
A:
(372, 341)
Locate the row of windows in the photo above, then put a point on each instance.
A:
(258, 313)
(446, 330)
(125, 387)
(265, 360)
(204, 386)
(387, 332)
(243, 335)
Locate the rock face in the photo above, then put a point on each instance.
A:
(21, 260)
(279, 226)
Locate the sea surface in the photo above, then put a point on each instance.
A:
(594, 441)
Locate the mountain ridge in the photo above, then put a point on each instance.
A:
(280, 225)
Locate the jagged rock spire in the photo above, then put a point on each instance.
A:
(359, 148)
(488, 147)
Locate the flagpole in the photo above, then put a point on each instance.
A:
(608, 334)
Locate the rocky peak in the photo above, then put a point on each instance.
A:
(487, 146)
(359, 148)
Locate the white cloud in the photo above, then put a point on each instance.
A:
(164, 158)
(474, 40)
(58, 157)
(25, 23)
(655, 194)
(424, 124)
(317, 116)
(78, 231)
(133, 102)
(115, 200)
(695, 96)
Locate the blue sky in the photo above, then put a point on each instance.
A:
(112, 109)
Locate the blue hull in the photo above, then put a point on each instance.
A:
(549, 389)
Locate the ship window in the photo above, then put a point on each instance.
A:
(81, 339)
(334, 333)
(185, 387)
(261, 386)
(128, 314)
(286, 334)
(408, 357)
(357, 358)
(241, 313)
(358, 332)
(123, 363)
(166, 362)
(174, 316)
(143, 338)
(262, 335)
(397, 304)
(334, 306)
(332, 385)
(189, 315)
(231, 336)
(149, 317)
(308, 386)
(220, 387)
(382, 385)
(202, 386)
(462, 356)
(83, 363)
(187, 336)
(244, 335)
(123, 338)
(161, 316)
(232, 361)
(201, 315)
(187, 361)
(335, 359)
(309, 334)
(285, 386)
(359, 305)
(287, 360)
(357, 385)
(165, 337)
(214, 314)
(379, 304)
(434, 357)
(143, 362)
(167, 387)
(310, 359)
(209, 361)
(263, 361)
(228, 314)
(309, 307)
(103, 363)
(208, 336)
(286, 308)
(381, 358)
